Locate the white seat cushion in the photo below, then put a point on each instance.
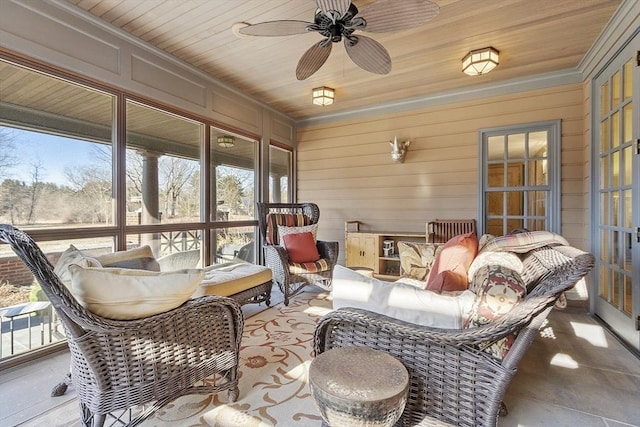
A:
(126, 294)
(399, 300)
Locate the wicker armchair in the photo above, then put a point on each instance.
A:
(117, 364)
(452, 379)
(290, 277)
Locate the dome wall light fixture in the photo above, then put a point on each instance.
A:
(226, 141)
(323, 95)
(480, 61)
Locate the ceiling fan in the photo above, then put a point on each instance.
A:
(336, 20)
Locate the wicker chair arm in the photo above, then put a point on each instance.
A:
(276, 259)
(328, 250)
(275, 254)
(373, 326)
(185, 336)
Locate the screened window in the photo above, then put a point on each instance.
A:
(280, 170)
(72, 172)
(520, 178)
(233, 169)
(55, 152)
(163, 167)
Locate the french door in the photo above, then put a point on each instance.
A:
(616, 190)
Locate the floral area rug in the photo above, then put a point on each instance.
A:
(277, 348)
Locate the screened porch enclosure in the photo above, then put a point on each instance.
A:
(86, 165)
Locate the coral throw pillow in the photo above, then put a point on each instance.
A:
(449, 271)
(301, 247)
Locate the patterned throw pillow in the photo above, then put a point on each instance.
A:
(284, 230)
(525, 242)
(484, 241)
(505, 259)
(290, 220)
(416, 259)
(498, 290)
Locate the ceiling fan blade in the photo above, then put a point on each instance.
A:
(395, 15)
(276, 28)
(342, 6)
(313, 59)
(368, 54)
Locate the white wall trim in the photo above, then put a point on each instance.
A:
(86, 16)
(522, 84)
(624, 22)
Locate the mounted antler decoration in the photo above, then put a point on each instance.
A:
(399, 150)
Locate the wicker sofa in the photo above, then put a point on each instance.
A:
(457, 377)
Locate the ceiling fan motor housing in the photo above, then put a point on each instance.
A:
(335, 27)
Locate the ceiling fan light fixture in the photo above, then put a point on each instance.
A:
(480, 61)
(323, 95)
(226, 141)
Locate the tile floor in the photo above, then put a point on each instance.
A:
(574, 374)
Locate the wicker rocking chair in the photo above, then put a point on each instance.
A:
(120, 364)
(292, 278)
(453, 380)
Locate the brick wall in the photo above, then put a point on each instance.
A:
(13, 270)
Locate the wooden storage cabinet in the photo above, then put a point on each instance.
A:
(365, 249)
(361, 250)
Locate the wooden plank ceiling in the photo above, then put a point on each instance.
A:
(533, 37)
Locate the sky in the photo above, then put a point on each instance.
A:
(54, 152)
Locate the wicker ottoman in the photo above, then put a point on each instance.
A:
(245, 282)
(358, 386)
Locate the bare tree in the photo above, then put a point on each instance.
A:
(7, 151)
(35, 191)
(93, 193)
(175, 174)
(134, 172)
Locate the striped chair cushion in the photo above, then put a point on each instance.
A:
(289, 220)
(309, 267)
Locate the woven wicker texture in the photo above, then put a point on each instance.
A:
(292, 282)
(255, 295)
(116, 365)
(452, 379)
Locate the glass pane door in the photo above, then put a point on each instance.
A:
(520, 182)
(616, 181)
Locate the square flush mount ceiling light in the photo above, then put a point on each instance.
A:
(226, 141)
(480, 61)
(323, 95)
